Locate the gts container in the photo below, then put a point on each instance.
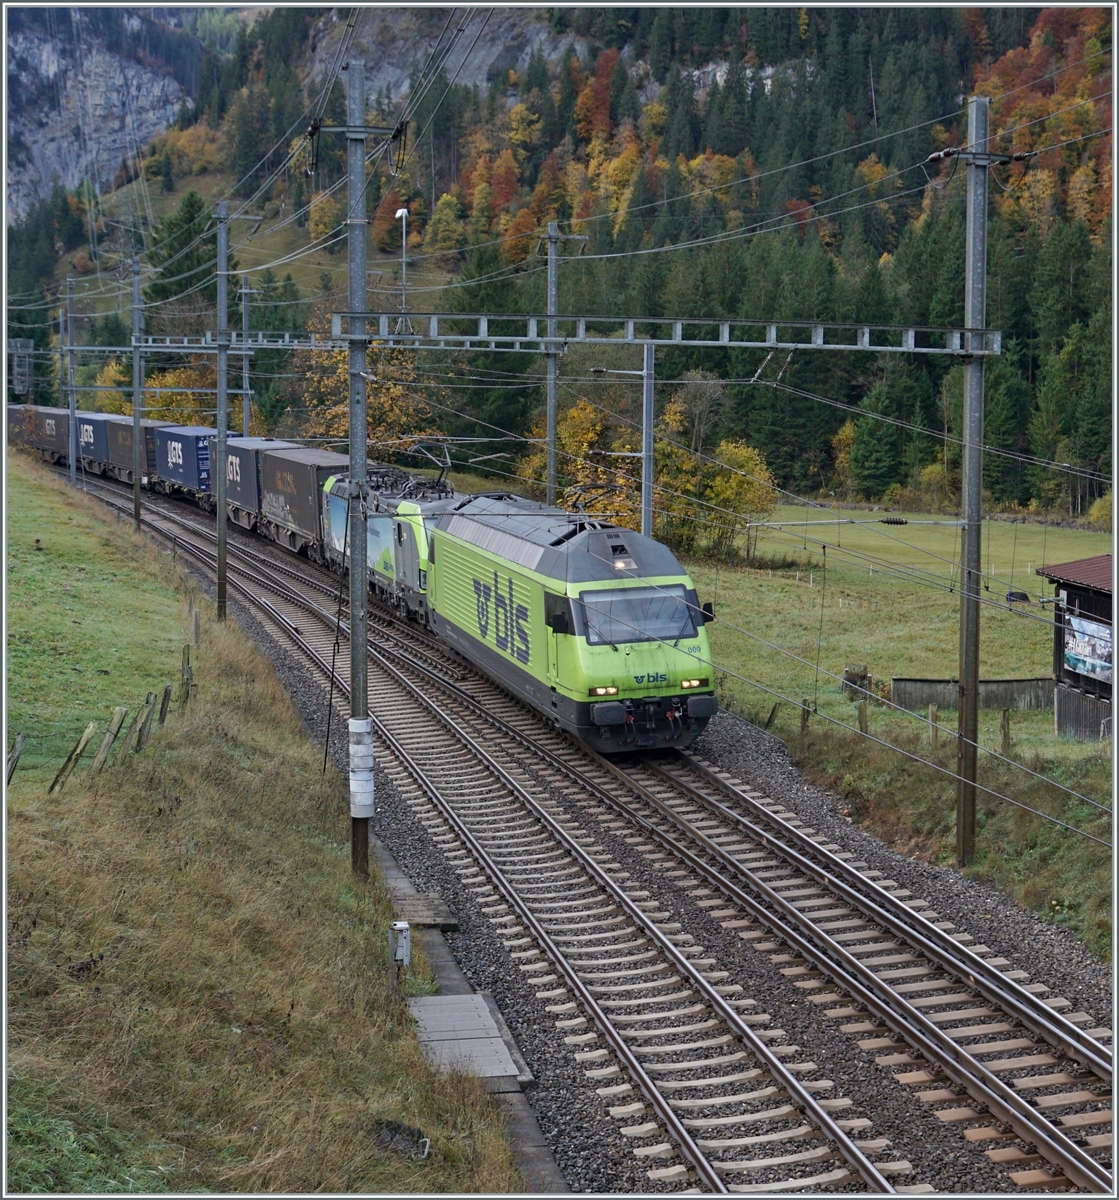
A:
(118, 435)
(50, 433)
(19, 424)
(183, 459)
(291, 491)
(242, 475)
(93, 439)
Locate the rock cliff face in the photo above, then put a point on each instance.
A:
(75, 109)
(393, 42)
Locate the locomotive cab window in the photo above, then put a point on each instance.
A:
(647, 614)
(557, 613)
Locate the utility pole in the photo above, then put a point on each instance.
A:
(975, 318)
(361, 726)
(245, 355)
(139, 448)
(217, 475)
(554, 239)
(62, 358)
(553, 358)
(70, 375)
(647, 443)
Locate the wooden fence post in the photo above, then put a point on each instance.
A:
(197, 627)
(187, 679)
(862, 717)
(1005, 725)
(137, 716)
(13, 756)
(165, 704)
(145, 723)
(804, 715)
(72, 759)
(934, 729)
(116, 721)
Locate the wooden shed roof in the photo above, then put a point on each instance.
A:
(1094, 573)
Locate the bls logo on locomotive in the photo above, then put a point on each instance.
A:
(509, 631)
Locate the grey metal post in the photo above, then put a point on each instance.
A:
(139, 450)
(553, 358)
(647, 444)
(70, 376)
(62, 358)
(359, 583)
(975, 318)
(217, 474)
(245, 356)
(403, 257)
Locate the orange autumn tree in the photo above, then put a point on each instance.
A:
(1056, 93)
(588, 479)
(398, 415)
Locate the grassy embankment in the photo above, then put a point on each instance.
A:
(198, 996)
(898, 628)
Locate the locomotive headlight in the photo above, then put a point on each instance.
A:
(693, 683)
(604, 691)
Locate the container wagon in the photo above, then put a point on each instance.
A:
(119, 438)
(242, 475)
(93, 439)
(50, 433)
(291, 496)
(19, 424)
(183, 462)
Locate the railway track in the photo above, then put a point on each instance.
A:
(714, 1097)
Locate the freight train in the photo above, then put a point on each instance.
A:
(596, 627)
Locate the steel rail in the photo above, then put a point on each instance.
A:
(859, 980)
(827, 1124)
(613, 1036)
(889, 911)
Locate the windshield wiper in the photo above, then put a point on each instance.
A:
(601, 636)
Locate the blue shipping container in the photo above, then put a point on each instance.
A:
(93, 435)
(183, 456)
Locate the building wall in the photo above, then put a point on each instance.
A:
(1080, 715)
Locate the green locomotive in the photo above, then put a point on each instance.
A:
(595, 626)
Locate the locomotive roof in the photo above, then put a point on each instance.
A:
(571, 547)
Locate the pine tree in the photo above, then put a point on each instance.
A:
(874, 452)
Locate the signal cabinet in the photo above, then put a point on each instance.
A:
(291, 493)
(118, 436)
(183, 457)
(242, 474)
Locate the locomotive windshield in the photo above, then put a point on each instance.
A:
(647, 614)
